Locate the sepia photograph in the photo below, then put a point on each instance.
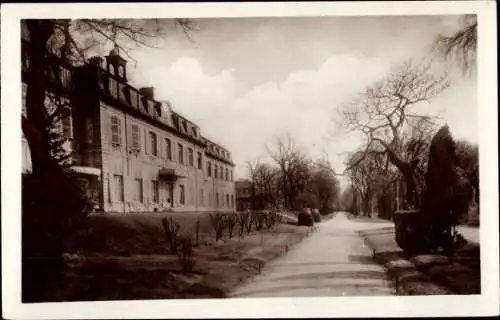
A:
(221, 157)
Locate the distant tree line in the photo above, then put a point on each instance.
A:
(293, 181)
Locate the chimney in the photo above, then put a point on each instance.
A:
(148, 92)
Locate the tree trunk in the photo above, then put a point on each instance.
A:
(408, 175)
(35, 126)
(366, 205)
(410, 195)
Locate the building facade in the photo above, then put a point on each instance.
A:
(136, 154)
(243, 190)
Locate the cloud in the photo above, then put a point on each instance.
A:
(303, 103)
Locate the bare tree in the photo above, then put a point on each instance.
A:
(461, 45)
(283, 151)
(265, 176)
(294, 166)
(363, 178)
(324, 185)
(385, 115)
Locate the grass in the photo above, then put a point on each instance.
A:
(125, 257)
(426, 274)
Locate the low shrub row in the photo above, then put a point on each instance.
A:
(222, 223)
(244, 222)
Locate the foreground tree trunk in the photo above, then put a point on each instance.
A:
(34, 126)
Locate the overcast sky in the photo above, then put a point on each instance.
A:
(246, 80)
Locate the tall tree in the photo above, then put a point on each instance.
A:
(324, 185)
(294, 166)
(468, 160)
(386, 115)
(263, 184)
(461, 45)
(364, 177)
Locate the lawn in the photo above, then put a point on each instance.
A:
(426, 273)
(126, 257)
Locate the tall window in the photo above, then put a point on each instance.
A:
(89, 130)
(200, 159)
(227, 175)
(118, 187)
(217, 200)
(190, 157)
(209, 168)
(168, 147)
(138, 190)
(231, 175)
(183, 195)
(136, 142)
(232, 201)
(156, 191)
(181, 153)
(202, 200)
(66, 126)
(154, 144)
(221, 173)
(227, 200)
(216, 173)
(115, 131)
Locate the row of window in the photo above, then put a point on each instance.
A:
(224, 199)
(219, 172)
(152, 148)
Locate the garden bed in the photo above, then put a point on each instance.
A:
(127, 257)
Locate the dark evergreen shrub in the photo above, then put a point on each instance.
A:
(54, 207)
(305, 219)
(446, 192)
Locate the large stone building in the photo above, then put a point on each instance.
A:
(135, 153)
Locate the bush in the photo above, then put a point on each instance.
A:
(185, 254)
(272, 219)
(230, 221)
(171, 229)
(305, 219)
(54, 207)
(218, 223)
(243, 218)
(316, 215)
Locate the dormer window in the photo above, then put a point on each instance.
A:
(194, 132)
(120, 71)
(144, 102)
(126, 93)
(116, 65)
(184, 124)
(175, 120)
(158, 109)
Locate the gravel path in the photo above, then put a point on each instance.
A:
(334, 261)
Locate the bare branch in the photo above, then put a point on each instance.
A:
(460, 46)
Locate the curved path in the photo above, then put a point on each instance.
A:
(332, 262)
